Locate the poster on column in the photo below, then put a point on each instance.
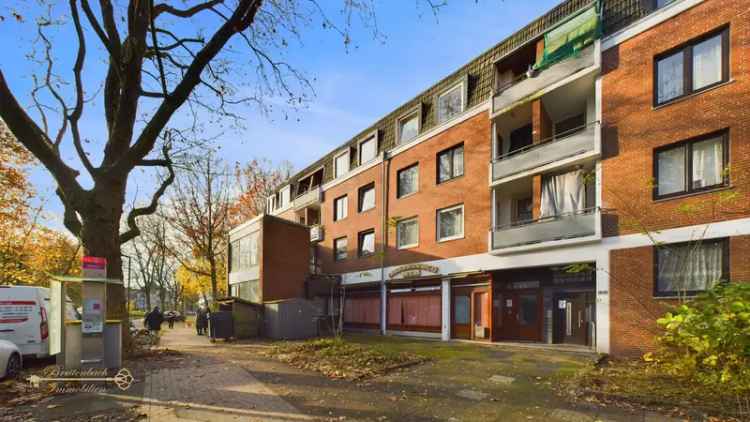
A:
(93, 317)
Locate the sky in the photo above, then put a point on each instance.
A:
(353, 86)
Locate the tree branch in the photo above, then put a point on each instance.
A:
(185, 13)
(75, 115)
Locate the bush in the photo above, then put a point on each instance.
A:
(708, 338)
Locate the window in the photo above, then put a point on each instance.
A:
(366, 243)
(368, 149)
(450, 103)
(234, 253)
(339, 249)
(408, 127)
(693, 67)
(691, 166)
(341, 164)
(407, 233)
(285, 196)
(254, 248)
(408, 181)
(450, 223)
(366, 198)
(451, 163)
(689, 268)
(340, 206)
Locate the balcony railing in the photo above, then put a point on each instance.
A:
(564, 226)
(527, 87)
(312, 197)
(569, 144)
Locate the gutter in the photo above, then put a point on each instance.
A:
(386, 163)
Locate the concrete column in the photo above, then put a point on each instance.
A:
(445, 289)
(383, 307)
(602, 302)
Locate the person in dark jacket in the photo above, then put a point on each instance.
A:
(153, 320)
(201, 321)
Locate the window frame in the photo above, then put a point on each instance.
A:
(398, 233)
(463, 223)
(415, 111)
(335, 208)
(450, 150)
(688, 164)
(725, 268)
(360, 237)
(346, 152)
(686, 49)
(463, 83)
(400, 195)
(335, 249)
(373, 136)
(360, 196)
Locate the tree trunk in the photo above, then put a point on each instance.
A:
(147, 292)
(214, 278)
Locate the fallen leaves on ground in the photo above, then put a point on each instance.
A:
(337, 358)
(636, 385)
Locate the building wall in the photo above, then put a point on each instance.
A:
(633, 127)
(285, 259)
(471, 189)
(633, 308)
(354, 223)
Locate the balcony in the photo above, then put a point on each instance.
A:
(535, 84)
(577, 142)
(316, 233)
(562, 227)
(312, 197)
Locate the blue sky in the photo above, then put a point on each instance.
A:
(353, 88)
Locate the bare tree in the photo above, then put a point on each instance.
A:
(153, 263)
(198, 211)
(159, 58)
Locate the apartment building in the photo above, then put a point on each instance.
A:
(564, 187)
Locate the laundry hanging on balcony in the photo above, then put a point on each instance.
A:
(571, 37)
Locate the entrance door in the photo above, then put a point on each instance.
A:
(572, 315)
(471, 313)
(522, 315)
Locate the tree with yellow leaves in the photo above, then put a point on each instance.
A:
(196, 286)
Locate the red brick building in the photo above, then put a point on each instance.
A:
(563, 187)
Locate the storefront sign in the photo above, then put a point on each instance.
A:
(517, 285)
(413, 270)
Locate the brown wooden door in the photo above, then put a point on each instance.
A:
(522, 315)
(571, 322)
(461, 313)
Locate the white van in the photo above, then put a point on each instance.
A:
(24, 312)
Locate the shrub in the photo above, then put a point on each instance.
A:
(708, 338)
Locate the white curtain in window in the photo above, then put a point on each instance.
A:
(691, 267)
(368, 243)
(408, 232)
(708, 163)
(671, 167)
(707, 62)
(670, 73)
(407, 181)
(563, 193)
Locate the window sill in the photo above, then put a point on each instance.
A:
(451, 179)
(691, 95)
(407, 247)
(448, 239)
(366, 211)
(407, 195)
(676, 297)
(689, 194)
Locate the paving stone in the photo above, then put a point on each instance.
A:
(472, 395)
(502, 379)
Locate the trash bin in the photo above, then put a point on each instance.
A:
(220, 325)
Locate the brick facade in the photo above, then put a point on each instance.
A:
(633, 128)
(283, 274)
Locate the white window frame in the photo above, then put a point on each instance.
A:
(463, 83)
(348, 163)
(373, 136)
(398, 233)
(335, 249)
(346, 208)
(362, 189)
(437, 223)
(413, 111)
(285, 196)
(398, 172)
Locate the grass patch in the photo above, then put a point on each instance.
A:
(638, 384)
(339, 358)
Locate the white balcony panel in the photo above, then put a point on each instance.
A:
(313, 197)
(539, 155)
(562, 227)
(534, 87)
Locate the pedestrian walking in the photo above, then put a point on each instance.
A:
(170, 318)
(153, 321)
(201, 320)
